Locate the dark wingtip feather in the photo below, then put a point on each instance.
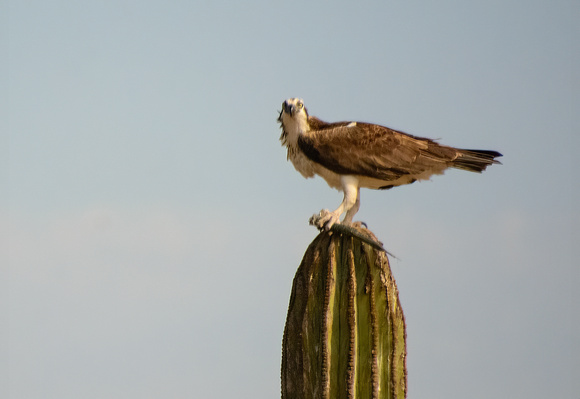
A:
(475, 160)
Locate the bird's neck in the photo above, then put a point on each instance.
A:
(291, 129)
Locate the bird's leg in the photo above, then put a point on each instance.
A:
(352, 211)
(325, 219)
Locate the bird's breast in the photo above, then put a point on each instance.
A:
(309, 168)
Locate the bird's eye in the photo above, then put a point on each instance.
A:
(300, 105)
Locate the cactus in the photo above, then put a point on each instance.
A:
(345, 330)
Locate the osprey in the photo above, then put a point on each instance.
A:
(351, 155)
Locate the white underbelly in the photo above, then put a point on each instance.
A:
(308, 168)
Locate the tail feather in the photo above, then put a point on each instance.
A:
(475, 160)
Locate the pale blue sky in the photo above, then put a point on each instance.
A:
(154, 225)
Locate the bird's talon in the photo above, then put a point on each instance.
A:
(324, 220)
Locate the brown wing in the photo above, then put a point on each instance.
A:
(375, 151)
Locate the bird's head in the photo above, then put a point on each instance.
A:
(293, 118)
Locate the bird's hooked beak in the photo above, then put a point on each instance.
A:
(288, 108)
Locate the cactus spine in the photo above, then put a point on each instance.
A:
(345, 329)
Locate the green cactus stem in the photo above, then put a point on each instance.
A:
(345, 329)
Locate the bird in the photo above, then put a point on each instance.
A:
(349, 155)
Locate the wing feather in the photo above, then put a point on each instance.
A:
(374, 151)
